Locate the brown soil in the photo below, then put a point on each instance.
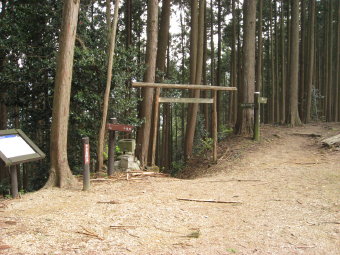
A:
(287, 188)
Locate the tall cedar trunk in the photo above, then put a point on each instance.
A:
(289, 25)
(283, 67)
(272, 68)
(310, 60)
(245, 123)
(60, 173)
(143, 134)
(128, 22)
(219, 60)
(258, 84)
(233, 115)
(111, 49)
(278, 89)
(163, 39)
(302, 62)
(258, 72)
(329, 113)
(212, 46)
(196, 55)
(337, 77)
(183, 108)
(212, 59)
(294, 118)
(205, 107)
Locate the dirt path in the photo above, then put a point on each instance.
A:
(288, 190)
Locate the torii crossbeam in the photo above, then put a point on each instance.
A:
(212, 100)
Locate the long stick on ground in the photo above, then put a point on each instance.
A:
(209, 201)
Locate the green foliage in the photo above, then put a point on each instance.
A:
(176, 167)
(5, 187)
(224, 132)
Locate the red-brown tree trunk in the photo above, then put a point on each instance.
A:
(245, 122)
(143, 134)
(60, 173)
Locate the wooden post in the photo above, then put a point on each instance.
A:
(14, 181)
(214, 125)
(86, 163)
(155, 127)
(111, 152)
(256, 116)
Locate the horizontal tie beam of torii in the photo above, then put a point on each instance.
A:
(158, 100)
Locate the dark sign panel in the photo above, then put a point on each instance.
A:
(119, 127)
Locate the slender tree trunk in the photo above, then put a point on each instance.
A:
(278, 89)
(163, 39)
(212, 46)
(302, 62)
(258, 84)
(219, 60)
(245, 123)
(272, 68)
(111, 49)
(233, 115)
(195, 70)
(60, 173)
(294, 118)
(329, 114)
(128, 21)
(143, 135)
(283, 68)
(205, 107)
(337, 77)
(289, 37)
(258, 73)
(310, 61)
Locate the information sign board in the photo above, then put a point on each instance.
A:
(119, 127)
(262, 100)
(17, 148)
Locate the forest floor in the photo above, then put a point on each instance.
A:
(286, 191)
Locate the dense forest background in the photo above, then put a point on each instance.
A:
(29, 36)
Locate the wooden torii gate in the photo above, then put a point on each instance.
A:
(212, 100)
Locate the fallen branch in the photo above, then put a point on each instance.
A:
(90, 233)
(305, 247)
(307, 134)
(122, 227)
(108, 202)
(209, 201)
(236, 180)
(330, 222)
(306, 163)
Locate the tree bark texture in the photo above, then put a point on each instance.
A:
(143, 135)
(337, 77)
(294, 118)
(60, 173)
(196, 55)
(246, 120)
(283, 67)
(310, 61)
(163, 38)
(111, 50)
